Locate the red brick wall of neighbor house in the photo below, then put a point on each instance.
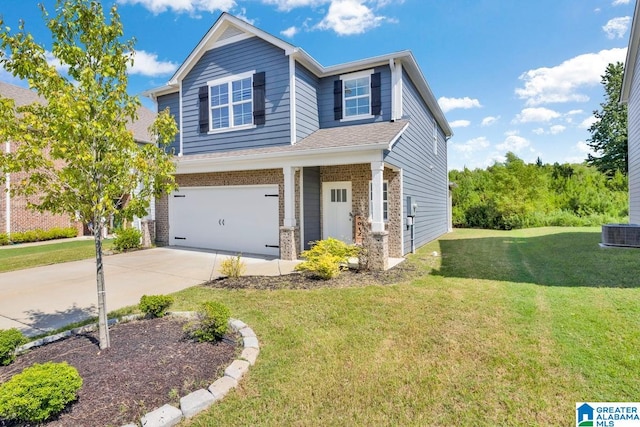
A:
(24, 219)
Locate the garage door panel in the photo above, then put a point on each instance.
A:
(238, 218)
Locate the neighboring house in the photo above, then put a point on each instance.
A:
(276, 151)
(14, 214)
(631, 96)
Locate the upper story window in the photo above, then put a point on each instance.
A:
(357, 96)
(236, 102)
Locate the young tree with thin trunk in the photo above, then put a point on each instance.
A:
(80, 157)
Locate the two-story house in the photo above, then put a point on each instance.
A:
(276, 151)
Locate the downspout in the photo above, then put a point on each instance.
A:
(7, 196)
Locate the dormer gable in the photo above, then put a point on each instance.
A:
(226, 30)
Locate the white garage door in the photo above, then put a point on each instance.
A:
(242, 219)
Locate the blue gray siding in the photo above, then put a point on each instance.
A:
(325, 101)
(311, 204)
(307, 120)
(172, 101)
(237, 58)
(634, 147)
(424, 172)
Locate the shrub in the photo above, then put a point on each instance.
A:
(326, 258)
(10, 339)
(39, 392)
(39, 234)
(127, 238)
(212, 322)
(4, 239)
(155, 305)
(233, 267)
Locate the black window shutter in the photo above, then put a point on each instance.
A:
(376, 94)
(203, 105)
(259, 98)
(337, 99)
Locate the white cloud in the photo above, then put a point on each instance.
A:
(290, 32)
(459, 123)
(475, 144)
(619, 2)
(556, 129)
(448, 104)
(562, 82)
(586, 123)
(243, 15)
(513, 143)
(539, 114)
(349, 17)
(287, 5)
(538, 131)
(581, 150)
(617, 27)
(147, 64)
(572, 112)
(183, 6)
(52, 60)
(489, 120)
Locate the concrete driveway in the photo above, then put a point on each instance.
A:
(45, 298)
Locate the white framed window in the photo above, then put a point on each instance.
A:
(385, 202)
(435, 137)
(231, 102)
(356, 95)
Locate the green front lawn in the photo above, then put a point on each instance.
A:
(509, 328)
(20, 257)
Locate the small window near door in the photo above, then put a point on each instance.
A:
(339, 195)
(385, 203)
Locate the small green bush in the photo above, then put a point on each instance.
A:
(4, 239)
(155, 305)
(127, 238)
(10, 339)
(326, 258)
(212, 322)
(233, 267)
(39, 392)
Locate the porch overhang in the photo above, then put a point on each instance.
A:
(325, 147)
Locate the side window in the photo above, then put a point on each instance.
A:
(435, 137)
(385, 203)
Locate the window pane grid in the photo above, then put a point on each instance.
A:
(357, 97)
(231, 104)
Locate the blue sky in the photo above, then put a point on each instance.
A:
(510, 75)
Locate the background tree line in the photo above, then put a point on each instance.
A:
(514, 194)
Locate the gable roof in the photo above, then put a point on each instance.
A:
(23, 96)
(632, 55)
(229, 29)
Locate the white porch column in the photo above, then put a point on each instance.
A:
(377, 219)
(289, 197)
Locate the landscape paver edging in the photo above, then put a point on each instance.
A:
(197, 401)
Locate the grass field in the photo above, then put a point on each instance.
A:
(20, 257)
(504, 328)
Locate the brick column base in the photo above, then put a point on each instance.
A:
(148, 232)
(378, 250)
(288, 247)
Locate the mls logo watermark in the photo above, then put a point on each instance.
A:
(608, 414)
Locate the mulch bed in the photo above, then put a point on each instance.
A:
(150, 363)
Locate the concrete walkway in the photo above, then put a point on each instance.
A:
(45, 298)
